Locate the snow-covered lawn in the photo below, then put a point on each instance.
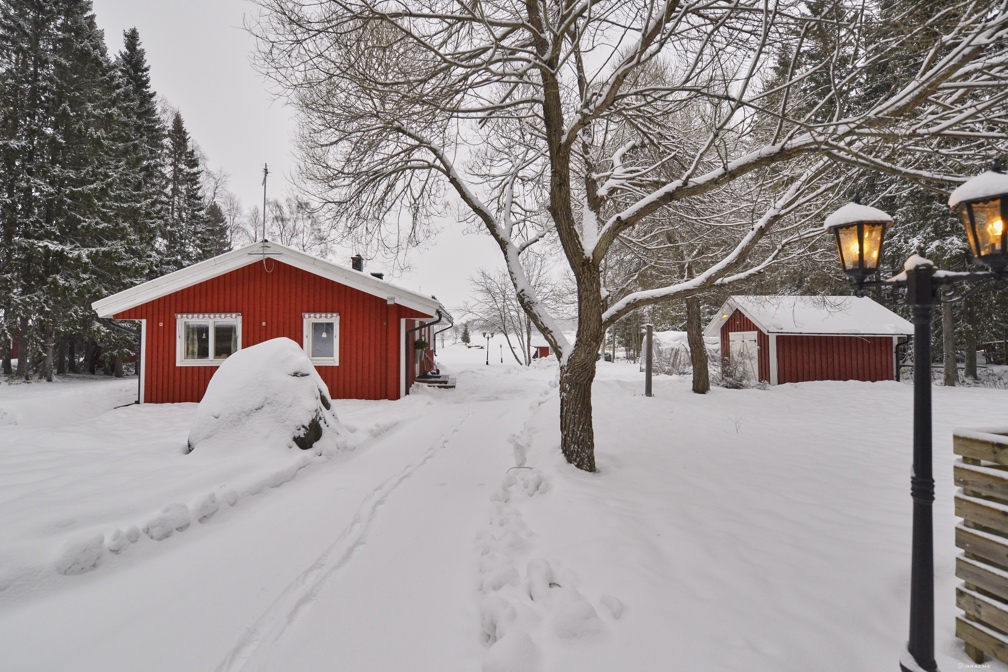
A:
(757, 530)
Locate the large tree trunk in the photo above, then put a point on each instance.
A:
(117, 366)
(72, 357)
(577, 373)
(61, 357)
(577, 436)
(47, 360)
(698, 349)
(971, 354)
(948, 345)
(7, 358)
(91, 358)
(22, 339)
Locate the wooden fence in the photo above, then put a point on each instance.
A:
(982, 502)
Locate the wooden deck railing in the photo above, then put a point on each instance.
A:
(982, 502)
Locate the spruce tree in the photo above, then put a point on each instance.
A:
(215, 237)
(145, 209)
(186, 236)
(66, 241)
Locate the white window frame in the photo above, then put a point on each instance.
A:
(209, 319)
(306, 330)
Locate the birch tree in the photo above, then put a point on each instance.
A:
(514, 110)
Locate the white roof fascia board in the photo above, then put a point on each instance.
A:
(729, 307)
(250, 254)
(714, 328)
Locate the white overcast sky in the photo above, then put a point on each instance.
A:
(199, 55)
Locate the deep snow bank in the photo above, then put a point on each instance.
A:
(265, 397)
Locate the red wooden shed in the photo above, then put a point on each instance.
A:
(358, 330)
(792, 339)
(540, 351)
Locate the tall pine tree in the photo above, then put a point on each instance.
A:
(146, 207)
(185, 237)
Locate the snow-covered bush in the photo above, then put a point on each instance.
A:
(266, 396)
(735, 374)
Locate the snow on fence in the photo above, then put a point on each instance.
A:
(982, 502)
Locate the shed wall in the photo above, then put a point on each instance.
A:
(271, 297)
(739, 322)
(803, 358)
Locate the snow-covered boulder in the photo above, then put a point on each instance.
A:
(268, 397)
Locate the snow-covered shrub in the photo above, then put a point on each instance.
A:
(735, 374)
(671, 361)
(267, 396)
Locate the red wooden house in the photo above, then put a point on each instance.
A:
(791, 339)
(358, 330)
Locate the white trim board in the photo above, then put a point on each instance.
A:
(402, 358)
(142, 360)
(773, 359)
(258, 253)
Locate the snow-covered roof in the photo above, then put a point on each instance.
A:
(253, 254)
(984, 185)
(855, 212)
(827, 315)
(539, 341)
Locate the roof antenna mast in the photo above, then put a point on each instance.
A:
(265, 174)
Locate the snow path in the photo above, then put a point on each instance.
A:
(305, 589)
(412, 583)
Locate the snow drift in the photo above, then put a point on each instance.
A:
(266, 396)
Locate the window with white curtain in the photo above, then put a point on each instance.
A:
(206, 339)
(321, 338)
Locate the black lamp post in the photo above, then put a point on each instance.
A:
(859, 231)
(487, 336)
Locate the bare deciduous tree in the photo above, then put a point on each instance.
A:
(295, 223)
(514, 108)
(496, 306)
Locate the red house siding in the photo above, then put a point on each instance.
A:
(739, 322)
(803, 358)
(271, 302)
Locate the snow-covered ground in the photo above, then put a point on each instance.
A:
(757, 530)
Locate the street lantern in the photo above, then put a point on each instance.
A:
(487, 336)
(982, 204)
(858, 231)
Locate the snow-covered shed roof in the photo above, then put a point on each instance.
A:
(825, 315)
(253, 254)
(539, 341)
